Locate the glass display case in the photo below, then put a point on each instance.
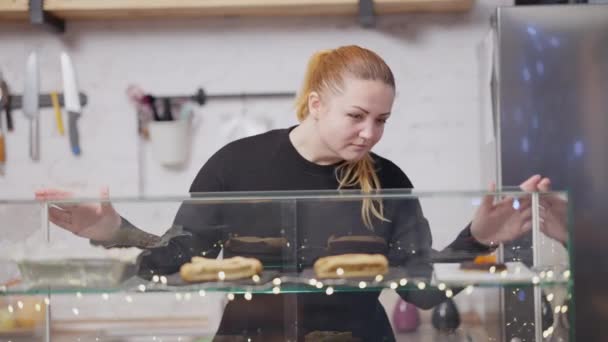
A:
(285, 266)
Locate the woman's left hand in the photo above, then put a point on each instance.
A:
(553, 213)
(507, 219)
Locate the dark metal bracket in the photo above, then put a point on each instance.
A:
(201, 97)
(44, 101)
(39, 17)
(367, 17)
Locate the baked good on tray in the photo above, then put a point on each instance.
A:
(254, 244)
(366, 244)
(330, 336)
(205, 269)
(483, 263)
(351, 266)
(269, 250)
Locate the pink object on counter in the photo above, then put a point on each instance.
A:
(405, 317)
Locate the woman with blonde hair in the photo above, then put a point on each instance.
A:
(344, 104)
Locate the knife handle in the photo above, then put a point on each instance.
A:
(9, 115)
(73, 131)
(34, 140)
(57, 109)
(2, 149)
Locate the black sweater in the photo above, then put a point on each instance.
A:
(269, 162)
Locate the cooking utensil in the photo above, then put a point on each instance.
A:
(71, 101)
(31, 104)
(57, 110)
(2, 148)
(5, 102)
(167, 115)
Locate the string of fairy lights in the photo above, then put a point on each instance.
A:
(275, 286)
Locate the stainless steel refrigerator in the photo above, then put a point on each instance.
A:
(551, 101)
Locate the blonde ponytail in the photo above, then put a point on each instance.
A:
(312, 82)
(363, 174)
(326, 71)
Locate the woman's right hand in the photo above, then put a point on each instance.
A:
(554, 214)
(96, 221)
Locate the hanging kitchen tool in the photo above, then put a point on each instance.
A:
(244, 124)
(167, 115)
(30, 104)
(137, 97)
(5, 104)
(72, 102)
(57, 110)
(3, 100)
(2, 148)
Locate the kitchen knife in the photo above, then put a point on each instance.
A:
(30, 104)
(71, 101)
(2, 148)
(3, 101)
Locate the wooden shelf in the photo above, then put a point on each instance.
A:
(13, 9)
(402, 6)
(109, 9)
(133, 9)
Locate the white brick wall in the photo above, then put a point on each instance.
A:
(434, 134)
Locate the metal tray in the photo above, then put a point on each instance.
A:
(74, 273)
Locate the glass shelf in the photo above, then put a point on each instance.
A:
(275, 282)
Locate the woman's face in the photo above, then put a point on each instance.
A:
(350, 123)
